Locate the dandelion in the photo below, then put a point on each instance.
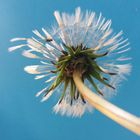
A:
(82, 50)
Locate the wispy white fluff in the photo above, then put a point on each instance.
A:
(123, 58)
(38, 34)
(77, 109)
(50, 79)
(36, 69)
(17, 39)
(77, 15)
(53, 42)
(32, 69)
(42, 76)
(29, 54)
(16, 47)
(58, 18)
(46, 97)
(40, 92)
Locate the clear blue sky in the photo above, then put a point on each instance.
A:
(22, 116)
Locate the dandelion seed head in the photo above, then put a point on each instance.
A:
(80, 41)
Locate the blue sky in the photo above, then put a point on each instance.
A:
(22, 116)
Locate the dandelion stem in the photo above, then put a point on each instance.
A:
(120, 116)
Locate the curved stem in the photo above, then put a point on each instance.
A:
(120, 116)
